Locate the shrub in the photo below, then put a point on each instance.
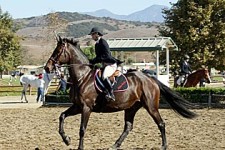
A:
(201, 95)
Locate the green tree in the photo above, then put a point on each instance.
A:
(10, 52)
(191, 25)
(217, 35)
(89, 52)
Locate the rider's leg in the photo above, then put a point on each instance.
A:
(108, 71)
(185, 78)
(109, 90)
(179, 80)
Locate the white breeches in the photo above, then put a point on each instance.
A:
(180, 80)
(109, 70)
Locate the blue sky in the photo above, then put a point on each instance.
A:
(29, 8)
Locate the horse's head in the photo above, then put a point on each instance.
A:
(60, 56)
(206, 76)
(67, 51)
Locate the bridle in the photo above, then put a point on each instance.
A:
(57, 65)
(55, 60)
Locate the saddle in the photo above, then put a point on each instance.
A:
(118, 80)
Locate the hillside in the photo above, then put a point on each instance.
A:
(39, 41)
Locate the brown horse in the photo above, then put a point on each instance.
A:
(143, 91)
(194, 78)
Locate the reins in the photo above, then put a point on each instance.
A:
(57, 66)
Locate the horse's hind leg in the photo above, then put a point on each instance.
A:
(25, 97)
(152, 109)
(129, 119)
(73, 110)
(85, 115)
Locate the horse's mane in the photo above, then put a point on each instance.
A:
(201, 69)
(76, 44)
(72, 41)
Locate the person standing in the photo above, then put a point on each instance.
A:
(62, 84)
(40, 91)
(104, 56)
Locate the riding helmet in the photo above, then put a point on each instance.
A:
(186, 56)
(95, 30)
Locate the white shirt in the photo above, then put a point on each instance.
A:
(41, 83)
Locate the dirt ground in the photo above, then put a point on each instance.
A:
(27, 128)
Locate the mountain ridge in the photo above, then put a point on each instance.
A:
(144, 15)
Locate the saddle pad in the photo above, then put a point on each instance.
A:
(120, 83)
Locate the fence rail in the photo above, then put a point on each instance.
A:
(17, 88)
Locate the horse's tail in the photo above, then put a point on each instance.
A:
(176, 101)
(22, 82)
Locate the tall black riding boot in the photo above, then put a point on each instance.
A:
(109, 90)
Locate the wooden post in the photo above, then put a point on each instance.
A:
(210, 99)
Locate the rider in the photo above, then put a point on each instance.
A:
(40, 92)
(185, 70)
(103, 55)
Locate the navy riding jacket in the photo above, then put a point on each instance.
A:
(185, 67)
(103, 53)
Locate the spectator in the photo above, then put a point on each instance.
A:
(62, 84)
(202, 83)
(40, 92)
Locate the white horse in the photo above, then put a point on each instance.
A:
(33, 81)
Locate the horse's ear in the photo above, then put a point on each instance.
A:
(60, 39)
(56, 36)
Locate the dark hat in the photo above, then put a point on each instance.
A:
(95, 30)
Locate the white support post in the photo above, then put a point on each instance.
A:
(157, 64)
(167, 62)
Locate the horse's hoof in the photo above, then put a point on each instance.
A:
(164, 147)
(67, 140)
(113, 147)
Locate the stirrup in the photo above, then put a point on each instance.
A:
(109, 97)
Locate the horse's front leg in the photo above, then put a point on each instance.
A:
(73, 110)
(84, 121)
(24, 94)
